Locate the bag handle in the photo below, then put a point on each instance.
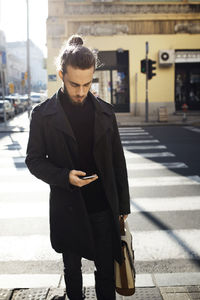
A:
(121, 224)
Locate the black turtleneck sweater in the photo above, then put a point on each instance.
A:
(81, 118)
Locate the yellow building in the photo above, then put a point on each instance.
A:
(119, 30)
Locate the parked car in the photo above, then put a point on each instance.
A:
(15, 100)
(9, 109)
(24, 101)
(35, 97)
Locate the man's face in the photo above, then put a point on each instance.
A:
(77, 83)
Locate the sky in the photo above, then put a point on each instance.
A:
(13, 21)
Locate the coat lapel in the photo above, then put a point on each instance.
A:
(60, 121)
(102, 120)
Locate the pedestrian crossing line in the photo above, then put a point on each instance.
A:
(130, 129)
(129, 154)
(148, 246)
(192, 129)
(145, 147)
(165, 204)
(13, 210)
(20, 187)
(11, 160)
(27, 248)
(164, 181)
(14, 171)
(133, 133)
(166, 244)
(156, 166)
(39, 186)
(139, 142)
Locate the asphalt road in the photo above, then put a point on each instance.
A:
(164, 176)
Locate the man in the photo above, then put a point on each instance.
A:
(73, 135)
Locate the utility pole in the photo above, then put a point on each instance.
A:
(28, 61)
(2, 74)
(147, 72)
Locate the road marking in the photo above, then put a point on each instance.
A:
(20, 187)
(128, 154)
(166, 244)
(148, 246)
(156, 166)
(140, 142)
(13, 210)
(130, 128)
(136, 137)
(25, 248)
(133, 133)
(164, 181)
(192, 129)
(145, 147)
(12, 171)
(165, 204)
(11, 161)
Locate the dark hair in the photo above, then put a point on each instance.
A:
(76, 55)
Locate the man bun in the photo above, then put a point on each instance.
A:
(75, 40)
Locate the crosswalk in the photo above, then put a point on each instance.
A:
(159, 237)
(165, 198)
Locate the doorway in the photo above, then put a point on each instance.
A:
(187, 85)
(111, 79)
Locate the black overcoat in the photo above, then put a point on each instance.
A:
(51, 154)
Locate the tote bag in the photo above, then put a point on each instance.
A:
(125, 272)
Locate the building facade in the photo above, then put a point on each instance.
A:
(3, 69)
(119, 30)
(17, 66)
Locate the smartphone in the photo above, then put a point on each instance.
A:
(88, 177)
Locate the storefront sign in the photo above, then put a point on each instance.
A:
(187, 56)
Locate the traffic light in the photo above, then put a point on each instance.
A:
(11, 88)
(143, 66)
(151, 68)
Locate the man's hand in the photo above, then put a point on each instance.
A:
(74, 178)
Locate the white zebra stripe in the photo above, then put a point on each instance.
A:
(165, 204)
(130, 128)
(145, 147)
(164, 181)
(13, 210)
(192, 129)
(16, 210)
(156, 166)
(21, 187)
(128, 154)
(165, 244)
(148, 246)
(140, 142)
(133, 133)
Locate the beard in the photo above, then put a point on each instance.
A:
(77, 103)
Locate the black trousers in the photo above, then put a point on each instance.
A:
(104, 262)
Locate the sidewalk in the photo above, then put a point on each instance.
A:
(125, 119)
(21, 122)
(168, 286)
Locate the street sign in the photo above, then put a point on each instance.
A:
(3, 58)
